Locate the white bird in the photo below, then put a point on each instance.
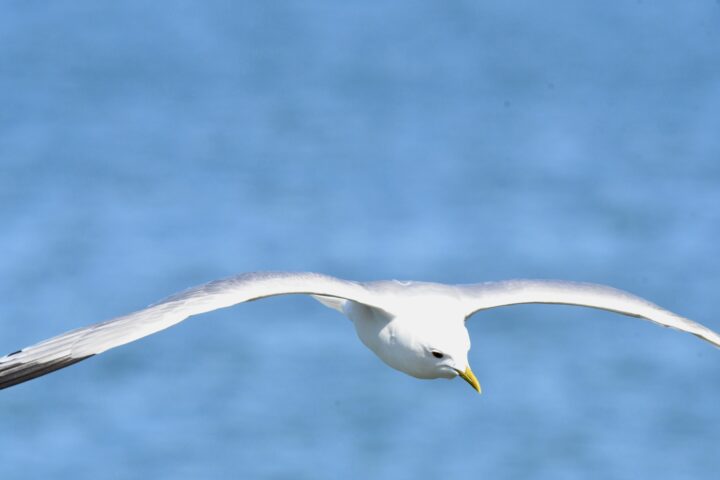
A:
(415, 327)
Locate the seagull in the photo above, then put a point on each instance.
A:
(415, 327)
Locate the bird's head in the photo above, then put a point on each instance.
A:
(448, 365)
(434, 347)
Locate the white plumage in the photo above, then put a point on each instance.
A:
(415, 327)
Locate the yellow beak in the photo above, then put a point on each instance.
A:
(469, 377)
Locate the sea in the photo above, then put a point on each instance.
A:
(146, 147)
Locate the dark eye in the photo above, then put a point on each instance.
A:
(437, 354)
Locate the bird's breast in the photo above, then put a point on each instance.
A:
(382, 334)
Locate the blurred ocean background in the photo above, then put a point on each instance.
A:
(150, 146)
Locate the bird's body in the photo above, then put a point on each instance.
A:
(399, 339)
(415, 327)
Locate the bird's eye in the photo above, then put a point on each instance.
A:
(437, 354)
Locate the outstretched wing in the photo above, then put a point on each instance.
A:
(482, 296)
(74, 346)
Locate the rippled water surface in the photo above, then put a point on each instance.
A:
(149, 146)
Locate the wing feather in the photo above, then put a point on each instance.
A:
(71, 347)
(483, 296)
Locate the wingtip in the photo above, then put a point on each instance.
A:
(15, 373)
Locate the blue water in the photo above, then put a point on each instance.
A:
(150, 146)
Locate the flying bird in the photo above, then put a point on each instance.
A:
(415, 327)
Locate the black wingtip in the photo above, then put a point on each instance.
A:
(13, 373)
